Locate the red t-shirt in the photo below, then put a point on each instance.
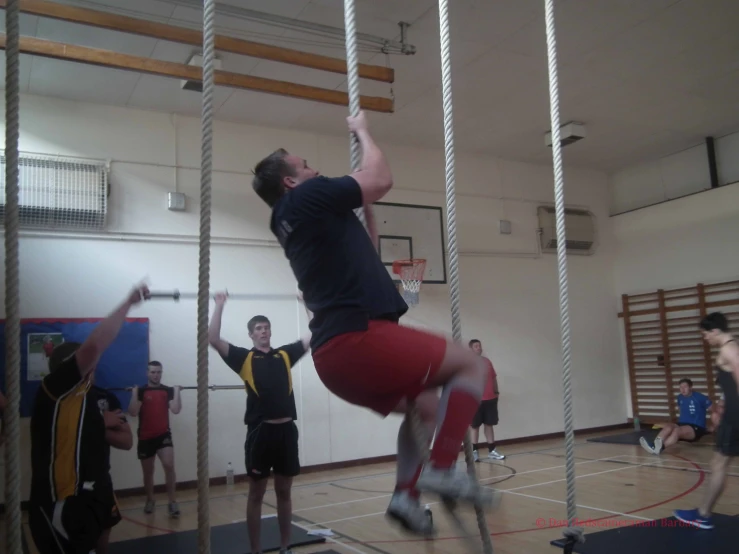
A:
(489, 392)
(154, 412)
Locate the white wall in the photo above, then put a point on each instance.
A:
(676, 244)
(673, 176)
(509, 295)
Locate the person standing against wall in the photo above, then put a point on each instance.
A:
(487, 413)
(152, 404)
(272, 437)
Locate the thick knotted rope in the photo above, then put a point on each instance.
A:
(13, 543)
(206, 175)
(571, 532)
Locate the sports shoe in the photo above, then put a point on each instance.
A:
(475, 456)
(455, 485)
(174, 509)
(407, 511)
(658, 445)
(288, 551)
(149, 507)
(494, 455)
(694, 518)
(645, 445)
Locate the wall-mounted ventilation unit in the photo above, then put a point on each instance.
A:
(568, 133)
(197, 86)
(579, 230)
(59, 193)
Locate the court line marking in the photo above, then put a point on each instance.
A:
(502, 491)
(695, 486)
(579, 506)
(356, 500)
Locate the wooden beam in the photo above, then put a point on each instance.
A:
(707, 358)
(630, 357)
(106, 58)
(182, 35)
(666, 353)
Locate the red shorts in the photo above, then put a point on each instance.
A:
(381, 366)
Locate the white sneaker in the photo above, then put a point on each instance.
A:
(494, 455)
(407, 511)
(455, 485)
(658, 445)
(475, 456)
(645, 445)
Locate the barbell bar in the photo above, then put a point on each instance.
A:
(210, 387)
(176, 295)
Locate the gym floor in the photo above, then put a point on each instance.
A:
(616, 485)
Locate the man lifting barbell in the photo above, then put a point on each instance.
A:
(272, 436)
(152, 404)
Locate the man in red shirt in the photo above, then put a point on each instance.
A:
(487, 413)
(152, 404)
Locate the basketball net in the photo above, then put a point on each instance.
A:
(411, 276)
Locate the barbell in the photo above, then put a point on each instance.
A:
(210, 387)
(176, 295)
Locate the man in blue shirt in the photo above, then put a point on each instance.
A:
(691, 424)
(360, 352)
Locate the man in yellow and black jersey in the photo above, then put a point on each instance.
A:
(72, 502)
(272, 437)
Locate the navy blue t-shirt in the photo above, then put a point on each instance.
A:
(343, 281)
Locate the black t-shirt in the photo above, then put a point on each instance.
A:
(107, 402)
(731, 395)
(268, 380)
(68, 446)
(343, 281)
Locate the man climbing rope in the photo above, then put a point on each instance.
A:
(715, 330)
(360, 351)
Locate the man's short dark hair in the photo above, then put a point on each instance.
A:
(256, 319)
(155, 363)
(269, 174)
(714, 321)
(473, 341)
(60, 353)
(686, 380)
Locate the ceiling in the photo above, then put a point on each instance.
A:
(647, 77)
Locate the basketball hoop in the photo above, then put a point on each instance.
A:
(411, 277)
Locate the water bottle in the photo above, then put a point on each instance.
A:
(229, 475)
(637, 426)
(429, 515)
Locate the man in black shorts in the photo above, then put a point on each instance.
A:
(487, 413)
(715, 330)
(72, 500)
(272, 436)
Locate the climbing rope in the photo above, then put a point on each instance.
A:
(446, 78)
(12, 283)
(206, 175)
(572, 533)
(352, 82)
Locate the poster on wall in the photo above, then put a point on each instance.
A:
(40, 347)
(122, 365)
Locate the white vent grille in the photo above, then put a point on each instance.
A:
(579, 230)
(59, 193)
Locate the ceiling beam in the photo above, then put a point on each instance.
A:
(124, 24)
(106, 58)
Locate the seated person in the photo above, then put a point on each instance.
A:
(691, 425)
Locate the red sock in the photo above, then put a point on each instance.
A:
(460, 410)
(410, 486)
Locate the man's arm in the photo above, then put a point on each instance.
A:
(369, 217)
(117, 431)
(175, 403)
(106, 332)
(374, 176)
(214, 329)
(134, 406)
(731, 359)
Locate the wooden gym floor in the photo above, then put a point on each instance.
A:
(616, 485)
